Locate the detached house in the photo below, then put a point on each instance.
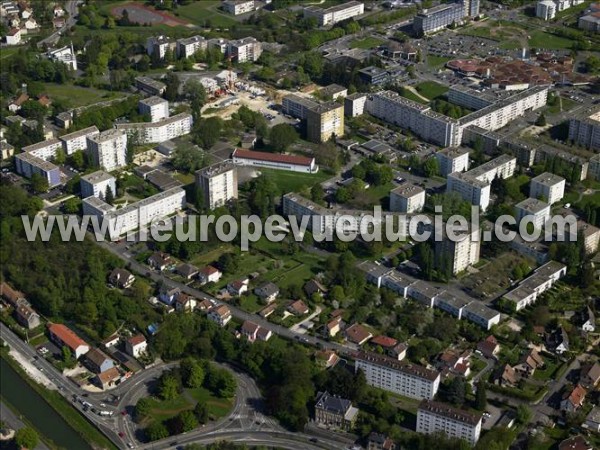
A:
(335, 412)
(108, 378)
(209, 274)
(529, 362)
(326, 358)
(16, 104)
(559, 340)
(237, 287)
(253, 332)
(453, 362)
(506, 376)
(27, 317)
(136, 345)
(268, 292)
(380, 442)
(357, 334)
(298, 308)
(63, 336)
(333, 327)
(588, 320)
(314, 287)
(573, 400)
(167, 295)
(185, 303)
(98, 361)
(159, 261)
(187, 271)
(489, 347)
(221, 315)
(121, 278)
(590, 375)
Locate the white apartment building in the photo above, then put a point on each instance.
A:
(547, 187)
(480, 314)
(533, 286)
(219, 183)
(463, 251)
(585, 130)
(27, 164)
(435, 417)
(324, 121)
(453, 159)
(157, 132)
(296, 106)
(158, 45)
(545, 10)
(409, 380)
(535, 210)
(354, 104)
(139, 214)
(407, 198)
(469, 98)
(237, 7)
(244, 50)
(187, 47)
(65, 55)
(108, 149)
(45, 150)
(155, 107)
(335, 14)
(77, 140)
(96, 184)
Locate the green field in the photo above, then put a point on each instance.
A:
(76, 96)
(205, 13)
(366, 43)
(431, 89)
(406, 93)
(6, 52)
(294, 181)
(437, 61)
(542, 40)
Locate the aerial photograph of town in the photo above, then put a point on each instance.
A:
(300, 224)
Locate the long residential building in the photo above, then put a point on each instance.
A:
(439, 17)
(436, 417)
(108, 149)
(274, 161)
(77, 140)
(219, 183)
(63, 336)
(45, 150)
(297, 106)
(585, 130)
(543, 278)
(157, 132)
(139, 214)
(187, 47)
(244, 50)
(27, 164)
(335, 14)
(409, 380)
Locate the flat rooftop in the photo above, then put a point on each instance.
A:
(548, 179)
(152, 101)
(37, 161)
(532, 205)
(216, 169)
(97, 177)
(407, 190)
(77, 134)
(453, 152)
(480, 310)
(41, 144)
(107, 135)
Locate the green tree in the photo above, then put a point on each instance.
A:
(480, 396)
(172, 90)
(201, 411)
(541, 120)
(39, 183)
(169, 387)
(282, 136)
(431, 167)
(71, 206)
(109, 196)
(523, 414)
(26, 437)
(60, 158)
(142, 407)
(156, 430)
(207, 132)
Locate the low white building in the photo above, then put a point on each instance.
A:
(547, 187)
(534, 210)
(407, 198)
(65, 55)
(436, 417)
(157, 108)
(136, 345)
(543, 278)
(13, 37)
(275, 161)
(336, 13)
(237, 7)
(96, 184)
(545, 10)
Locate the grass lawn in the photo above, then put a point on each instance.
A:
(547, 372)
(431, 89)
(366, 43)
(185, 178)
(567, 104)
(294, 181)
(251, 303)
(205, 12)
(406, 93)
(436, 61)
(6, 52)
(77, 96)
(542, 40)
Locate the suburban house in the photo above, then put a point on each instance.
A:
(108, 378)
(187, 271)
(268, 292)
(121, 278)
(506, 376)
(221, 315)
(209, 274)
(63, 336)
(168, 295)
(267, 311)
(204, 305)
(185, 302)
(249, 330)
(454, 362)
(98, 361)
(333, 327)
(592, 420)
(335, 412)
(10, 295)
(264, 334)
(398, 351)
(528, 363)
(16, 104)
(489, 347)
(588, 320)
(326, 358)
(159, 261)
(136, 345)
(314, 287)
(559, 341)
(590, 375)
(111, 341)
(237, 287)
(298, 308)
(27, 317)
(573, 400)
(379, 441)
(357, 334)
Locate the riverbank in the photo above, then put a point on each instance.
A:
(86, 433)
(14, 420)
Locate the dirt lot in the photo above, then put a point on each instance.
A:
(142, 14)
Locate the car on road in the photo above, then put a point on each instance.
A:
(121, 434)
(124, 412)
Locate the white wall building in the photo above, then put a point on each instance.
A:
(275, 161)
(585, 129)
(335, 14)
(407, 198)
(453, 160)
(187, 47)
(155, 107)
(535, 210)
(96, 184)
(547, 187)
(108, 149)
(45, 150)
(296, 106)
(219, 183)
(533, 286)
(77, 140)
(157, 132)
(354, 104)
(237, 7)
(462, 251)
(435, 417)
(158, 45)
(244, 50)
(65, 55)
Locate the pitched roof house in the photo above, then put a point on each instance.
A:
(379, 441)
(573, 400)
(237, 287)
(506, 376)
(334, 412)
(314, 287)
(121, 278)
(27, 317)
(575, 443)
(11, 296)
(221, 315)
(298, 308)
(384, 342)
(187, 271)
(588, 320)
(590, 375)
(209, 274)
(333, 327)
(62, 335)
(267, 292)
(357, 334)
(489, 347)
(159, 261)
(529, 362)
(98, 361)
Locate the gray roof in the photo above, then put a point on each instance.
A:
(332, 403)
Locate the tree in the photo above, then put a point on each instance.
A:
(317, 193)
(431, 167)
(455, 391)
(109, 196)
(142, 408)
(282, 136)
(39, 183)
(194, 91)
(541, 120)
(155, 431)
(228, 263)
(201, 411)
(480, 396)
(26, 438)
(60, 157)
(207, 132)
(172, 90)
(188, 159)
(169, 387)
(71, 206)
(192, 373)
(523, 414)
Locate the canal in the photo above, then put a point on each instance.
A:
(34, 408)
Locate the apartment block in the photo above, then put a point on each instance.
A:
(543, 278)
(594, 167)
(187, 47)
(296, 106)
(462, 251)
(27, 164)
(45, 150)
(237, 7)
(335, 14)
(437, 18)
(547, 187)
(157, 108)
(407, 198)
(108, 149)
(160, 131)
(590, 235)
(436, 417)
(409, 380)
(219, 183)
(159, 45)
(77, 140)
(96, 184)
(534, 210)
(453, 160)
(545, 10)
(244, 50)
(354, 104)
(585, 130)
(150, 85)
(324, 122)
(469, 98)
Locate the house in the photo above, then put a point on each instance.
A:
(249, 330)
(16, 104)
(45, 101)
(13, 37)
(592, 420)
(27, 317)
(506, 376)
(98, 361)
(588, 320)
(298, 308)
(357, 334)
(59, 11)
(26, 13)
(31, 24)
(64, 120)
(398, 351)
(326, 358)
(575, 443)
(454, 362)
(237, 287)
(314, 287)
(136, 345)
(108, 378)
(159, 261)
(559, 341)
(111, 341)
(59, 22)
(267, 292)
(121, 278)
(187, 271)
(529, 362)
(167, 294)
(266, 312)
(264, 334)
(333, 327)
(185, 302)
(13, 297)
(221, 315)
(384, 342)
(489, 347)
(590, 375)
(378, 441)
(63, 336)
(574, 400)
(204, 305)
(248, 141)
(335, 412)
(209, 274)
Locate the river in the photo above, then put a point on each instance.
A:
(34, 408)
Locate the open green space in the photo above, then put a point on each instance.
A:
(436, 61)
(407, 93)
(548, 372)
(6, 52)
(294, 181)
(76, 96)
(251, 303)
(431, 89)
(542, 40)
(205, 13)
(366, 43)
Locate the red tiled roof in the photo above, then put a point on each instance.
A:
(272, 157)
(208, 270)
(577, 395)
(384, 341)
(66, 335)
(249, 327)
(10, 294)
(357, 333)
(109, 375)
(136, 340)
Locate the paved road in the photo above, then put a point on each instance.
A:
(71, 9)
(15, 423)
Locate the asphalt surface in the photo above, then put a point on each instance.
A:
(71, 9)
